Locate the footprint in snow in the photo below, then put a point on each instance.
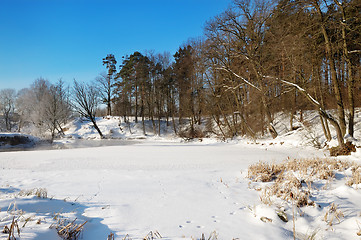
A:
(233, 213)
(188, 221)
(200, 226)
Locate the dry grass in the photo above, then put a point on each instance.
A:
(68, 230)
(292, 179)
(358, 233)
(332, 213)
(264, 172)
(10, 231)
(312, 235)
(316, 168)
(356, 176)
(212, 236)
(152, 235)
(38, 192)
(111, 236)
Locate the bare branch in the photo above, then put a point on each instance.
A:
(240, 77)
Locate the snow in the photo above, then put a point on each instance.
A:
(113, 128)
(177, 189)
(160, 183)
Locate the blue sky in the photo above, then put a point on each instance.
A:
(68, 38)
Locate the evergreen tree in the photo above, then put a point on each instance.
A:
(107, 82)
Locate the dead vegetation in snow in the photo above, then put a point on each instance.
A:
(68, 230)
(295, 181)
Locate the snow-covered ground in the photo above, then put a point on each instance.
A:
(163, 184)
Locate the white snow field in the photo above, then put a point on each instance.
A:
(178, 189)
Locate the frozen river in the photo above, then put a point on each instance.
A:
(69, 144)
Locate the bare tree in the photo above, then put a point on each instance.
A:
(345, 28)
(86, 100)
(44, 105)
(330, 53)
(105, 85)
(23, 107)
(57, 108)
(321, 110)
(238, 49)
(34, 102)
(7, 106)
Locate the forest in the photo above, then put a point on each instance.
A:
(254, 60)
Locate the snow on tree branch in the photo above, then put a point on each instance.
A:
(240, 77)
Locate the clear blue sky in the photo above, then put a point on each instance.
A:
(68, 38)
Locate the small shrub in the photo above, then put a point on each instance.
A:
(152, 235)
(110, 236)
(340, 151)
(289, 188)
(356, 176)
(212, 236)
(332, 213)
(14, 140)
(191, 133)
(38, 192)
(68, 230)
(264, 172)
(14, 227)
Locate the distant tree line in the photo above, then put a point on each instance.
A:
(46, 106)
(255, 59)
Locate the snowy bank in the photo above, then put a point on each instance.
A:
(13, 140)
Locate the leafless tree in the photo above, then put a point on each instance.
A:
(57, 108)
(7, 106)
(238, 46)
(105, 85)
(86, 99)
(23, 107)
(34, 102)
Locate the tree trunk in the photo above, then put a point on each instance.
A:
(172, 110)
(96, 127)
(335, 81)
(143, 118)
(136, 101)
(109, 98)
(335, 124)
(244, 123)
(292, 113)
(247, 127)
(109, 107)
(337, 127)
(269, 118)
(350, 80)
(219, 125)
(325, 128)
